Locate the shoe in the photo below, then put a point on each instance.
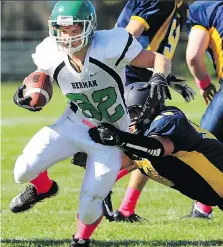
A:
(197, 214)
(107, 207)
(118, 216)
(28, 198)
(78, 242)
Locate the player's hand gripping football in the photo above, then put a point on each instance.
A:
(180, 86)
(105, 134)
(158, 87)
(208, 93)
(22, 101)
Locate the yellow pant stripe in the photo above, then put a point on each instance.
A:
(199, 163)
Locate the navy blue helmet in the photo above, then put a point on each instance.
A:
(140, 106)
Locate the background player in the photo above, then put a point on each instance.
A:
(205, 25)
(192, 166)
(89, 69)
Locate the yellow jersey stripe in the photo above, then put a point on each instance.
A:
(215, 45)
(141, 20)
(199, 163)
(188, 12)
(159, 36)
(179, 3)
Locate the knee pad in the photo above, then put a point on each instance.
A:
(22, 171)
(90, 209)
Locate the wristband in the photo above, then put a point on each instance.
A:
(204, 83)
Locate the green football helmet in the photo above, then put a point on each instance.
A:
(67, 13)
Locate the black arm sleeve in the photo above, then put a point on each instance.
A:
(141, 146)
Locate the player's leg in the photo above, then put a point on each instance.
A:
(49, 146)
(80, 159)
(212, 121)
(126, 211)
(127, 167)
(102, 167)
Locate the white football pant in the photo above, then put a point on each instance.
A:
(60, 141)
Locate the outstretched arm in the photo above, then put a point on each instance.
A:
(196, 48)
(197, 45)
(150, 59)
(162, 66)
(138, 145)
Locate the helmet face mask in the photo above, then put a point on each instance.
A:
(134, 112)
(139, 120)
(68, 14)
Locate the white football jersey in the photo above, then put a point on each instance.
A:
(98, 91)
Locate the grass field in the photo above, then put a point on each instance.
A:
(52, 222)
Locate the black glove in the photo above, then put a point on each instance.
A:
(208, 93)
(158, 87)
(24, 102)
(105, 134)
(79, 159)
(180, 86)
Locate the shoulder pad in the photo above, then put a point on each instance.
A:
(115, 47)
(47, 55)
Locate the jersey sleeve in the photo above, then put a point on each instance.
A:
(46, 56)
(130, 50)
(152, 13)
(198, 16)
(116, 47)
(175, 126)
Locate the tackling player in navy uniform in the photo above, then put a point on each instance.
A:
(205, 24)
(157, 26)
(173, 150)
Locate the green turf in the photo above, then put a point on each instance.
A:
(52, 222)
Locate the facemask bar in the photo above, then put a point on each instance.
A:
(134, 112)
(137, 118)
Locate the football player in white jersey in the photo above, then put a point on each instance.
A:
(89, 68)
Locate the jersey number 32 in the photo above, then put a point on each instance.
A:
(106, 98)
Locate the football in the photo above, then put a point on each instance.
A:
(39, 87)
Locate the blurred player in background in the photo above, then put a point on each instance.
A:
(157, 26)
(205, 25)
(89, 68)
(168, 147)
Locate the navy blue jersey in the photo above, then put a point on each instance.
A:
(196, 166)
(208, 15)
(163, 21)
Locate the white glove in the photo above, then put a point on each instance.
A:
(180, 86)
